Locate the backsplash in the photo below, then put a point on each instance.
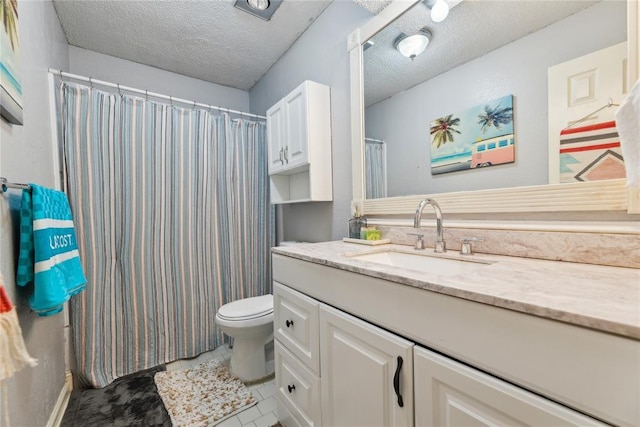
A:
(619, 250)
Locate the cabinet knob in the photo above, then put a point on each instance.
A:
(289, 323)
(291, 388)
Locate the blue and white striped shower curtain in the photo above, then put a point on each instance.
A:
(173, 218)
(375, 161)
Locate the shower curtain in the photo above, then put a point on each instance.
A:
(173, 217)
(375, 154)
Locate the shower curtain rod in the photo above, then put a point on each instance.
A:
(92, 81)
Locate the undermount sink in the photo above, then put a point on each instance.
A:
(422, 262)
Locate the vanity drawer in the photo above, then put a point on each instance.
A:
(297, 388)
(296, 321)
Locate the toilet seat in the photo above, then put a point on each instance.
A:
(247, 308)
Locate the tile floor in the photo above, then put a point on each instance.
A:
(263, 414)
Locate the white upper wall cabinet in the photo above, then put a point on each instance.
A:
(299, 133)
(295, 110)
(275, 135)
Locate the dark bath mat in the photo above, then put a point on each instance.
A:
(128, 401)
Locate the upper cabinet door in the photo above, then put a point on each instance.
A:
(366, 373)
(276, 137)
(295, 106)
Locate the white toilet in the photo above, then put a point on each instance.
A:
(249, 322)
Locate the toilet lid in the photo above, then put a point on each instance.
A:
(247, 308)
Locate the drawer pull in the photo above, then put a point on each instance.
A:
(291, 388)
(289, 323)
(396, 382)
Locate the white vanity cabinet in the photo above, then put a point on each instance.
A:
(450, 394)
(299, 138)
(464, 363)
(297, 357)
(367, 373)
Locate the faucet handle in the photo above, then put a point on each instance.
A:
(419, 242)
(465, 247)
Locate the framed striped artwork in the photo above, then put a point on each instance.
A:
(591, 153)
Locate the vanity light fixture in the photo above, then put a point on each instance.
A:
(262, 9)
(439, 9)
(413, 45)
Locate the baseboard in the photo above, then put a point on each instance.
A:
(55, 419)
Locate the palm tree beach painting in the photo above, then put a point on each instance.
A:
(10, 87)
(477, 137)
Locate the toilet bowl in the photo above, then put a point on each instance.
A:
(249, 322)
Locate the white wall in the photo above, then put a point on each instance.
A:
(320, 54)
(115, 70)
(25, 156)
(519, 68)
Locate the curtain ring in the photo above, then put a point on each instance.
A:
(194, 105)
(91, 82)
(146, 94)
(171, 100)
(119, 91)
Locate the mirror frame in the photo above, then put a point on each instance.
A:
(606, 195)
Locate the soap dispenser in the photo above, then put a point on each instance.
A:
(356, 223)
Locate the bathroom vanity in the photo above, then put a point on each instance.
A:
(364, 337)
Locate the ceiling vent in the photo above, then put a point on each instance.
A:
(262, 9)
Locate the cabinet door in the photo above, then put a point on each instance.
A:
(450, 394)
(359, 365)
(276, 137)
(295, 105)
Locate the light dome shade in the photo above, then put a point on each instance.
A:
(414, 45)
(258, 4)
(439, 11)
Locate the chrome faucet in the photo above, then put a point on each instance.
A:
(440, 245)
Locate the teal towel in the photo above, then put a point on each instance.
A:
(48, 250)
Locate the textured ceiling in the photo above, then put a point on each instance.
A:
(473, 28)
(213, 41)
(208, 40)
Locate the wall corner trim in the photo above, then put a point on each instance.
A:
(55, 419)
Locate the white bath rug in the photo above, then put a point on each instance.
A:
(202, 396)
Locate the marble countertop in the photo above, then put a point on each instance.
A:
(597, 297)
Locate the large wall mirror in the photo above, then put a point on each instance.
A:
(484, 51)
